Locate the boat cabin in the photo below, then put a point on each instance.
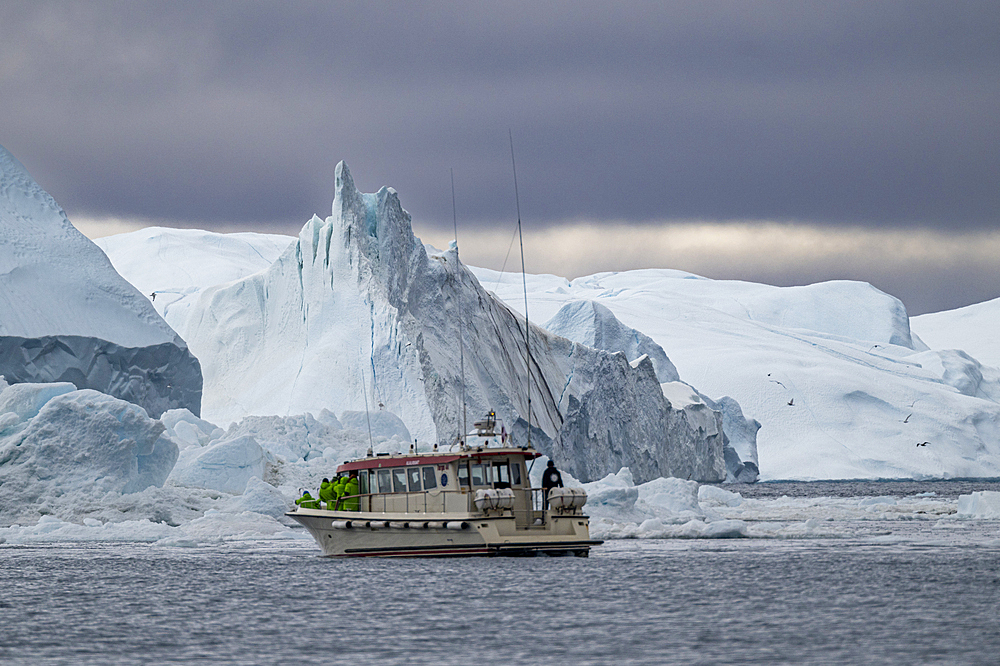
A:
(441, 483)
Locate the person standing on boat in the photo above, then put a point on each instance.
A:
(551, 478)
(351, 489)
(326, 494)
(338, 488)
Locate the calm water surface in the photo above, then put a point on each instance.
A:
(820, 601)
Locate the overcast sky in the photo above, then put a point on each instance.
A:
(782, 142)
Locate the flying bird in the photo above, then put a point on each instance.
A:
(906, 420)
(923, 443)
(791, 402)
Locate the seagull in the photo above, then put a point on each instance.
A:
(153, 296)
(923, 443)
(777, 382)
(907, 417)
(791, 402)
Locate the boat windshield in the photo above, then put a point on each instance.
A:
(479, 474)
(430, 479)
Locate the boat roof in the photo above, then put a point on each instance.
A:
(384, 460)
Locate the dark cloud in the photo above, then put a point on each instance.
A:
(880, 114)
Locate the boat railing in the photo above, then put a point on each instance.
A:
(526, 513)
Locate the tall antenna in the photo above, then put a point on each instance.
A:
(461, 313)
(364, 389)
(524, 280)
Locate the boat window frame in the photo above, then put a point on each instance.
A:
(385, 473)
(412, 472)
(429, 473)
(483, 474)
(463, 466)
(515, 471)
(500, 468)
(398, 479)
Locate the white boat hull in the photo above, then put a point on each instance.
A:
(355, 534)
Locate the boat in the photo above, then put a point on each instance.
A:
(473, 500)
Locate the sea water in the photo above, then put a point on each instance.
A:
(895, 592)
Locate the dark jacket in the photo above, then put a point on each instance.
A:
(551, 478)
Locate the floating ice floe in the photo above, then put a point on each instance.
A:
(213, 528)
(980, 504)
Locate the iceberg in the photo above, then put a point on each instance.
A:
(982, 504)
(840, 387)
(67, 316)
(823, 381)
(173, 266)
(383, 424)
(226, 466)
(590, 323)
(59, 445)
(356, 303)
(970, 329)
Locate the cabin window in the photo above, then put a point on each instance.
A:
(479, 474)
(430, 478)
(384, 481)
(363, 482)
(413, 479)
(398, 480)
(463, 475)
(500, 474)
(515, 473)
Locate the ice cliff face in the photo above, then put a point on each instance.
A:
(66, 315)
(592, 324)
(357, 305)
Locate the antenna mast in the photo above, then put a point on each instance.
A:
(524, 280)
(461, 313)
(364, 389)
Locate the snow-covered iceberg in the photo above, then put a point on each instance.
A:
(357, 304)
(173, 266)
(831, 372)
(67, 316)
(60, 446)
(971, 329)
